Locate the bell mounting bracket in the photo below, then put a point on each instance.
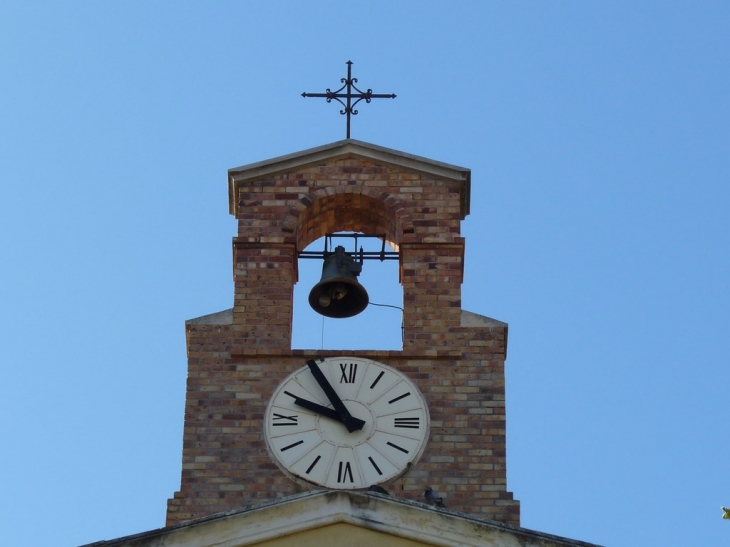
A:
(328, 250)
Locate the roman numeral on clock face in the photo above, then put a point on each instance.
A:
(399, 398)
(349, 373)
(407, 423)
(397, 447)
(375, 383)
(343, 471)
(311, 466)
(375, 465)
(280, 419)
(292, 446)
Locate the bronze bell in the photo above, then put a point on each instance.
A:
(338, 294)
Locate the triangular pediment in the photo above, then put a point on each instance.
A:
(348, 148)
(341, 518)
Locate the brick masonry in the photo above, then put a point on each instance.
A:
(236, 359)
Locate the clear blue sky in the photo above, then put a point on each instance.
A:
(598, 137)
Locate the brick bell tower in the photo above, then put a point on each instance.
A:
(237, 358)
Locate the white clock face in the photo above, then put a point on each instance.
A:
(346, 423)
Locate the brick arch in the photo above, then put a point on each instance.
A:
(343, 210)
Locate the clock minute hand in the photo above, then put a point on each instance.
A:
(351, 423)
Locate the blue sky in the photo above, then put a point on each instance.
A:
(597, 134)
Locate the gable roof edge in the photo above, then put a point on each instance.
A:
(306, 511)
(347, 147)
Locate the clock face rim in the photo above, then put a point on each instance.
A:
(349, 440)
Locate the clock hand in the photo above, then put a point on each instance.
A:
(323, 410)
(351, 423)
(319, 409)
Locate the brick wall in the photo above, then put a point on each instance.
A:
(236, 360)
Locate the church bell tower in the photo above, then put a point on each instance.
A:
(264, 420)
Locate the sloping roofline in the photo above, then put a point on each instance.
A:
(347, 148)
(367, 510)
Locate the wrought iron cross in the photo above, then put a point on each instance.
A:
(349, 84)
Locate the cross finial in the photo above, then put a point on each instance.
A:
(349, 84)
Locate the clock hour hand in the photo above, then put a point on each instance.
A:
(319, 409)
(351, 423)
(324, 411)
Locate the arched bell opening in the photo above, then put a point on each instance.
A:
(351, 299)
(376, 290)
